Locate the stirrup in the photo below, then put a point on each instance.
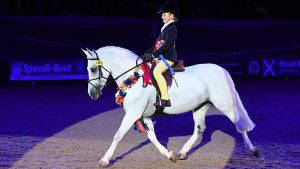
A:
(163, 103)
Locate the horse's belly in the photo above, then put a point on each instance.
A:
(189, 94)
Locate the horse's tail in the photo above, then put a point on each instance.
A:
(243, 121)
(236, 111)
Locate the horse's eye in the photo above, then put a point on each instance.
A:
(93, 70)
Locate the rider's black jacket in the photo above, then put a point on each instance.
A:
(169, 35)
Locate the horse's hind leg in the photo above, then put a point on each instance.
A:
(245, 124)
(235, 111)
(199, 128)
(152, 137)
(253, 150)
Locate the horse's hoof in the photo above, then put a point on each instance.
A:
(255, 153)
(103, 164)
(173, 157)
(181, 156)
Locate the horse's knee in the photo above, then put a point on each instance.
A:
(200, 129)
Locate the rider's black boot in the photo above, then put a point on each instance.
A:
(165, 103)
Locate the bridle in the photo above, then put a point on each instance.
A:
(99, 65)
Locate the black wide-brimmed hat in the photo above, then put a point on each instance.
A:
(171, 7)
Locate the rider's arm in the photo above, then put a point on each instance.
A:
(171, 37)
(150, 51)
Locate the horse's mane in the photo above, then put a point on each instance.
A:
(109, 49)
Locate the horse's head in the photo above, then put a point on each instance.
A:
(98, 74)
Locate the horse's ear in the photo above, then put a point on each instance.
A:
(90, 52)
(86, 53)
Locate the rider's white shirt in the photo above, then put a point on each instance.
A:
(166, 24)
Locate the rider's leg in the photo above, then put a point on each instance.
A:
(162, 84)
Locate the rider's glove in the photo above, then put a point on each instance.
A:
(148, 57)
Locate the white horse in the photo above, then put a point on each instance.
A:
(197, 84)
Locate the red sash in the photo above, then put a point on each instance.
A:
(159, 42)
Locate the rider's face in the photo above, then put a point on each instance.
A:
(167, 16)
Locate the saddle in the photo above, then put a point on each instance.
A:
(178, 67)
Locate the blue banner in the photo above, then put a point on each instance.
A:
(48, 70)
(281, 67)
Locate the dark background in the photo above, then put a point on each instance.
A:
(208, 30)
(201, 9)
(231, 33)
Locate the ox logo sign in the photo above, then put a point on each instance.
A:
(253, 68)
(268, 66)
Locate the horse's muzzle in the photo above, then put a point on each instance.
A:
(95, 95)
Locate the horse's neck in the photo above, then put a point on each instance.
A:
(119, 65)
(122, 68)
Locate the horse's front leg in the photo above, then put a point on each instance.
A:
(152, 137)
(126, 124)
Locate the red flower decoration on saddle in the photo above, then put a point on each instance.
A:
(146, 76)
(158, 43)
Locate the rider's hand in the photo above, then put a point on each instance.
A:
(148, 57)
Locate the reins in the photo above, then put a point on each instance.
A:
(109, 81)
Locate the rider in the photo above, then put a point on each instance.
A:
(164, 49)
